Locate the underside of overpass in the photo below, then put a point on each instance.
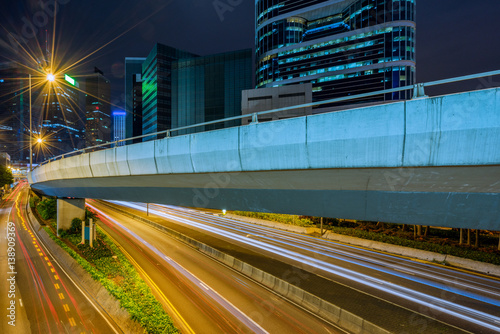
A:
(421, 196)
(433, 161)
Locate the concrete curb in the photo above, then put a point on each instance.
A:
(328, 311)
(91, 287)
(481, 267)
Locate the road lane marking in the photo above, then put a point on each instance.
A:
(72, 322)
(153, 284)
(56, 277)
(21, 302)
(61, 296)
(66, 307)
(57, 286)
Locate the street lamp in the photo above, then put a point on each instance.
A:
(31, 139)
(50, 78)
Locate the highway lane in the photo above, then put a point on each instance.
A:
(461, 298)
(46, 299)
(202, 295)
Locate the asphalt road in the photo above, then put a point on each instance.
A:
(461, 299)
(41, 297)
(202, 295)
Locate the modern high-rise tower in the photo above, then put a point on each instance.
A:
(98, 129)
(61, 121)
(180, 89)
(342, 47)
(157, 87)
(14, 112)
(133, 96)
(209, 88)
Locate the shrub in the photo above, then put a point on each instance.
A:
(62, 233)
(47, 208)
(76, 226)
(90, 214)
(279, 218)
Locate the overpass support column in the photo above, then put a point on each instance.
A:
(67, 209)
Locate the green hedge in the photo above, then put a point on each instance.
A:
(279, 218)
(47, 208)
(109, 266)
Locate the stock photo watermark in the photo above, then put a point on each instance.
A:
(223, 6)
(11, 273)
(31, 25)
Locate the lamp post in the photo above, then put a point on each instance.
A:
(30, 135)
(50, 78)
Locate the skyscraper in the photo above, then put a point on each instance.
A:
(98, 128)
(343, 47)
(61, 121)
(14, 112)
(133, 96)
(119, 118)
(180, 88)
(209, 88)
(157, 87)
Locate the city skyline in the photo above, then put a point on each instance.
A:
(288, 173)
(441, 53)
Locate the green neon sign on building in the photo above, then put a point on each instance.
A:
(69, 79)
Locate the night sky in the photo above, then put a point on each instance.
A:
(454, 37)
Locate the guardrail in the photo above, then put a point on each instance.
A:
(418, 92)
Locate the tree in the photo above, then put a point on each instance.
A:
(5, 176)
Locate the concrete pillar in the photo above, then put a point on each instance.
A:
(91, 233)
(67, 209)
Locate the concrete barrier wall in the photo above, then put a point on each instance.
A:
(328, 311)
(117, 161)
(458, 129)
(216, 151)
(79, 166)
(98, 163)
(366, 137)
(274, 145)
(141, 159)
(177, 157)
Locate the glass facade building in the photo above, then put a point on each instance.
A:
(61, 117)
(343, 47)
(98, 128)
(133, 96)
(119, 118)
(14, 112)
(209, 88)
(157, 87)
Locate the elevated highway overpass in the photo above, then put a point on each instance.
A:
(429, 161)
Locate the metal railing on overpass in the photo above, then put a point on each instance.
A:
(418, 92)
